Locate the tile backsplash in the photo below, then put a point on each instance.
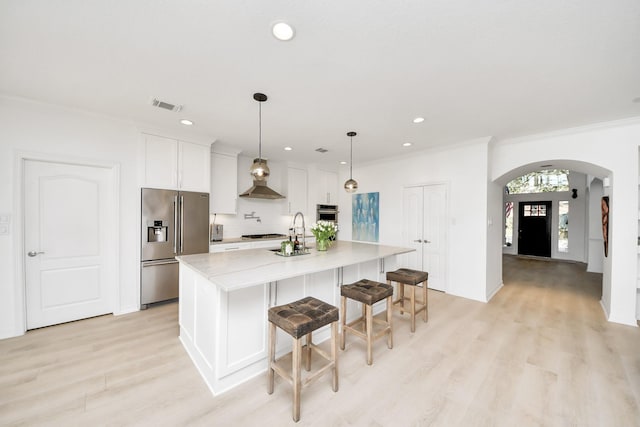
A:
(270, 213)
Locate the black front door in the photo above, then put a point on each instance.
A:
(534, 228)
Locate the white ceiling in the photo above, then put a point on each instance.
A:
(472, 68)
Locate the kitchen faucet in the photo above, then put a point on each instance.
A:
(293, 224)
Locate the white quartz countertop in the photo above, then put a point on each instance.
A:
(240, 269)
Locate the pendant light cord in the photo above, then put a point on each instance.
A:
(351, 160)
(260, 132)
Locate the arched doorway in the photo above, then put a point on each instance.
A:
(584, 223)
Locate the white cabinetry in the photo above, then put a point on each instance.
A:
(239, 246)
(228, 247)
(296, 190)
(175, 165)
(224, 180)
(243, 319)
(327, 187)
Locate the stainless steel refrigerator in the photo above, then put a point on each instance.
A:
(173, 223)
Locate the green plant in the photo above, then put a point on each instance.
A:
(324, 230)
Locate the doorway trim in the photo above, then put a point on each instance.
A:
(20, 157)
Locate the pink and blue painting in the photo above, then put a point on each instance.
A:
(365, 217)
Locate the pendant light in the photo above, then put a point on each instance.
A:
(259, 169)
(351, 185)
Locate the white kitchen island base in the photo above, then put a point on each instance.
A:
(224, 300)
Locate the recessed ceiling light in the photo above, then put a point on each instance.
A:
(418, 120)
(186, 122)
(288, 148)
(343, 162)
(406, 144)
(282, 31)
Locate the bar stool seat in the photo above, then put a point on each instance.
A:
(299, 319)
(411, 278)
(367, 292)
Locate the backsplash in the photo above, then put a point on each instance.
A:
(270, 213)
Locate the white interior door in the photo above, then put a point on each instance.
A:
(425, 230)
(69, 248)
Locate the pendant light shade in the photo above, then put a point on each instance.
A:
(259, 169)
(351, 185)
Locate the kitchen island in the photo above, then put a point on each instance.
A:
(224, 298)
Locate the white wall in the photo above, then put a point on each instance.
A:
(464, 168)
(47, 131)
(613, 146)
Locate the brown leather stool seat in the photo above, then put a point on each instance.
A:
(299, 319)
(411, 278)
(368, 293)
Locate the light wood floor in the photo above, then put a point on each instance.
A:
(540, 353)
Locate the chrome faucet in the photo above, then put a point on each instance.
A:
(293, 224)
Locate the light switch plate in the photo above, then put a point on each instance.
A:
(5, 218)
(4, 229)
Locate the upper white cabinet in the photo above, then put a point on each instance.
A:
(327, 187)
(224, 180)
(296, 190)
(176, 165)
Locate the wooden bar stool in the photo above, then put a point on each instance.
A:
(368, 293)
(299, 319)
(411, 278)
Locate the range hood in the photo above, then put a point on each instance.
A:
(261, 191)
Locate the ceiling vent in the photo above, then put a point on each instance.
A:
(165, 105)
(321, 150)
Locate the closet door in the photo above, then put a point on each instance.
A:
(425, 230)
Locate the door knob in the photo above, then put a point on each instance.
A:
(418, 241)
(427, 241)
(34, 253)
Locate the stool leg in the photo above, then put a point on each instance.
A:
(426, 300)
(389, 315)
(401, 295)
(272, 356)
(307, 352)
(334, 355)
(297, 381)
(413, 308)
(343, 320)
(369, 326)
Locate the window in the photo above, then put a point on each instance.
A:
(540, 182)
(535, 210)
(563, 226)
(508, 223)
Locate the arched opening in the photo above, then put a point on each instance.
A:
(576, 243)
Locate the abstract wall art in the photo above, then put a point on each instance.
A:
(365, 217)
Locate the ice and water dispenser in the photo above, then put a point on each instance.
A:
(157, 231)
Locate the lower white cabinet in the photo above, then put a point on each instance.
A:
(243, 320)
(227, 247)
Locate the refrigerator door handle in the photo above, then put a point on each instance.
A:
(181, 223)
(175, 224)
(160, 262)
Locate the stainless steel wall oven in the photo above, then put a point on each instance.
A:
(327, 213)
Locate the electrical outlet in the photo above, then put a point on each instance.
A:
(4, 230)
